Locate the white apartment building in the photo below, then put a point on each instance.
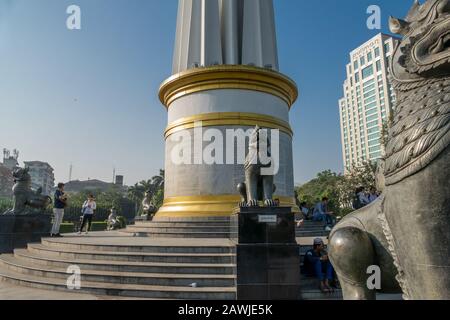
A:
(41, 176)
(368, 101)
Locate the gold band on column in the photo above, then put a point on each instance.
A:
(228, 77)
(229, 119)
(209, 206)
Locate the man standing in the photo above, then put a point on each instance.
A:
(58, 210)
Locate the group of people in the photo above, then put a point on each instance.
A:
(364, 198)
(319, 213)
(60, 203)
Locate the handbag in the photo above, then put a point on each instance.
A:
(83, 209)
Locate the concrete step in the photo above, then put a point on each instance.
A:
(127, 266)
(223, 258)
(141, 245)
(193, 219)
(166, 224)
(310, 290)
(303, 233)
(20, 264)
(172, 234)
(172, 229)
(120, 290)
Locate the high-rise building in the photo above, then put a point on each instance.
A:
(119, 181)
(10, 161)
(368, 101)
(41, 176)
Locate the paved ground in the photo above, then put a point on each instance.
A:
(116, 238)
(11, 292)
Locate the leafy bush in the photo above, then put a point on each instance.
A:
(123, 222)
(67, 228)
(5, 204)
(340, 189)
(98, 226)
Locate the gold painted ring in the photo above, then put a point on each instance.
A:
(228, 77)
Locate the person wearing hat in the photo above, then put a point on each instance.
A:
(89, 206)
(316, 264)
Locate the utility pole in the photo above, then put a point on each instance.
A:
(70, 172)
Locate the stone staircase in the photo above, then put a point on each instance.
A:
(162, 259)
(204, 228)
(127, 267)
(211, 227)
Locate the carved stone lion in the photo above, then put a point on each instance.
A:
(406, 232)
(257, 187)
(25, 199)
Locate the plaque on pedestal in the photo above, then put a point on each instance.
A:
(267, 255)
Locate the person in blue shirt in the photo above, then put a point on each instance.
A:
(317, 264)
(305, 210)
(58, 210)
(321, 213)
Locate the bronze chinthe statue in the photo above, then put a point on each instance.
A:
(406, 231)
(26, 201)
(257, 187)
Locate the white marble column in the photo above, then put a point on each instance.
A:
(269, 40)
(230, 31)
(211, 32)
(211, 44)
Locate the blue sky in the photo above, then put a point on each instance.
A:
(89, 97)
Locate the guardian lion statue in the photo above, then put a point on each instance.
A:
(26, 201)
(406, 231)
(257, 187)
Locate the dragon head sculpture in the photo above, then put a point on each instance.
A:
(424, 51)
(21, 174)
(420, 73)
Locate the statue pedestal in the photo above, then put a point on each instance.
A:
(267, 254)
(18, 231)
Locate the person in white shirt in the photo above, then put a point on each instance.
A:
(88, 209)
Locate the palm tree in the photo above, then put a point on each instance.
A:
(158, 181)
(136, 194)
(154, 186)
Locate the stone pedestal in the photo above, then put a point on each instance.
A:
(18, 231)
(267, 255)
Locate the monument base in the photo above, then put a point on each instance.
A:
(267, 255)
(18, 231)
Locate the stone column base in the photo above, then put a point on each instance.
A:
(17, 231)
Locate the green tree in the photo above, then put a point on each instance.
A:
(155, 188)
(136, 194)
(340, 189)
(324, 185)
(363, 176)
